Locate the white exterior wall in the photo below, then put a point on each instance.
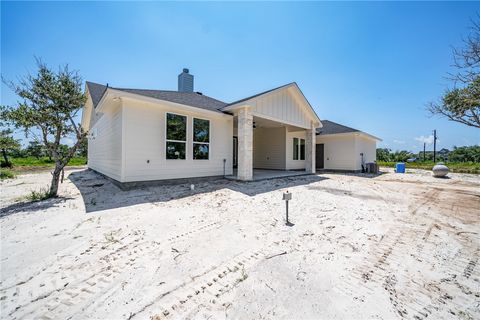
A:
(290, 163)
(339, 152)
(342, 151)
(145, 132)
(282, 106)
(368, 147)
(269, 148)
(105, 144)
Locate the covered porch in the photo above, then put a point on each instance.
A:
(273, 134)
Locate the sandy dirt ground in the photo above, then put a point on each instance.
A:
(361, 247)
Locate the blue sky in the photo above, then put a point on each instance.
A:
(373, 66)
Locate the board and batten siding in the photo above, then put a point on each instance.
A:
(105, 144)
(290, 163)
(269, 148)
(144, 143)
(281, 106)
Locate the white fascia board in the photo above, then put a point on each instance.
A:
(345, 134)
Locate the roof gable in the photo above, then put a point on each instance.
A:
(284, 103)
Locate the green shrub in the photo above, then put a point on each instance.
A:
(42, 194)
(7, 174)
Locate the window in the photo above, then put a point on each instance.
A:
(176, 136)
(298, 149)
(302, 149)
(201, 139)
(295, 148)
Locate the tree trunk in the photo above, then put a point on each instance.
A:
(5, 157)
(55, 181)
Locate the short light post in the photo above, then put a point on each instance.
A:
(287, 196)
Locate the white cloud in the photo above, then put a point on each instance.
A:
(424, 139)
(399, 141)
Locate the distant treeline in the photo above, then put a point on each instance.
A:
(458, 154)
(35, 150)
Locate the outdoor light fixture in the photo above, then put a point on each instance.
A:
(287, 196)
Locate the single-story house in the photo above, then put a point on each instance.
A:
(143, 135)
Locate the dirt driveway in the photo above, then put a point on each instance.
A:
(384, 247)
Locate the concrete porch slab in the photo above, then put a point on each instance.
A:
(265, 174)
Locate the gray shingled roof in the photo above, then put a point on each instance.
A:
(96, 92)
(192, 99)
(330, 127)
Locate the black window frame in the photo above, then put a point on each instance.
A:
(197, 143)
(168, 142)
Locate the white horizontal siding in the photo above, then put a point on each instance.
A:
(290, 163)
(145, 144)
(339, 152)
(269, 148)
(105, 147)
(368, 147)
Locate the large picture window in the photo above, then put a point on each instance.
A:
(176, 136)
(298, 149)
(201, 139)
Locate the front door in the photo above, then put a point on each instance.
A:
(319, 156)
(235, 152)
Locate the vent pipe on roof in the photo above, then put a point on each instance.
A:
(185, 81)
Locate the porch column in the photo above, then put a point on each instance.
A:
(310, 143)
(245, 144)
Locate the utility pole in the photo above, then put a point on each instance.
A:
(424, 144)
(434, 145)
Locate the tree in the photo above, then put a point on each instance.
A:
(51, 100)
(462, 103)
(83, 149)
(401, 156)
(465, 154)
(7, 144)
(383, 154)
(35, 149)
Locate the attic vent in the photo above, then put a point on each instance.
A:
(198, 92)
(185, 81)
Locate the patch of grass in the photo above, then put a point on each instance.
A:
(458, 167)
(44, 162)
(42, 194)
(7, 174)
